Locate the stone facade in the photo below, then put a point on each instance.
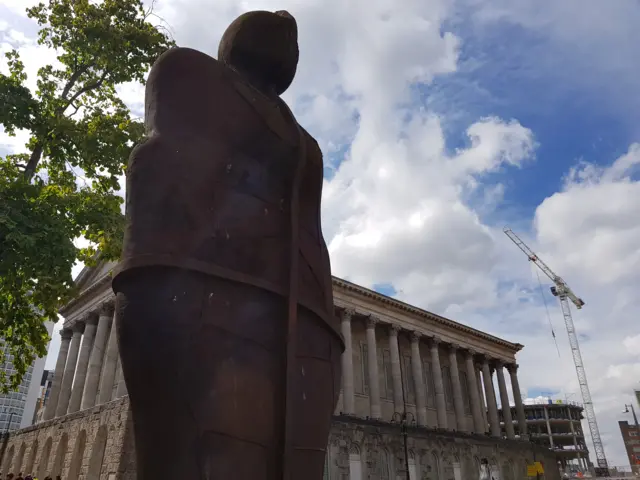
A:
(93, 444)
(402, 365)
(97, 444)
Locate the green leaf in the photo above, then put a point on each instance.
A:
(66, 186)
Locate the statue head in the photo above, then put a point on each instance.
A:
(263, 46)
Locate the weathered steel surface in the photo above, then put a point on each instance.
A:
(229, 342)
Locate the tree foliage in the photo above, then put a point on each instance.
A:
(66, 185)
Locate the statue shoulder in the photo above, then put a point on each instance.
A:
(186, 89)
(184, 66)
(312, 143)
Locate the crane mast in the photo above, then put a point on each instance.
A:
(565, 294)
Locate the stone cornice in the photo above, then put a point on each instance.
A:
(352, 288)
(397, 304)
(80, 298)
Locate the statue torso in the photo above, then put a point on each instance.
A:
(210, 189)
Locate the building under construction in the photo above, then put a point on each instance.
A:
(557, 425)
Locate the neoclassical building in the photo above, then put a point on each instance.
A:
(418, 397)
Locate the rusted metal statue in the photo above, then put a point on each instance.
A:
(229, 342)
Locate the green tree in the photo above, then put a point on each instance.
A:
(80, 136)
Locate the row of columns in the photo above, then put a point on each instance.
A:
(485, 416)
(88, 370)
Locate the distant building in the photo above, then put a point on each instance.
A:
(45, 390)
(631, 437)
(557, 425)
(17, 408)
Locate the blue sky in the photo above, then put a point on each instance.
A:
(443, 120)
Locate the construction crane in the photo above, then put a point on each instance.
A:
(564, 294)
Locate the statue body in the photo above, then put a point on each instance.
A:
(222, 199)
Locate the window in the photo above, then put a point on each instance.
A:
(428, 382)
(409, 384)
(364, 353)
(465, 392)
(633, 434)
(448, 391)
(387, 379)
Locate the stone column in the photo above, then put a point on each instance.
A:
(483, 403)
(95, 361)
(374, 378)
(121, 390)
(416, 367)
(56, 384)
(70, 370)
(396, 372)
(504, 401)
(491, 400)
(441, 405)
(91, 323)
(476, 405)
(517, 398)
(347, 364)
(109, 368)
(458, 402)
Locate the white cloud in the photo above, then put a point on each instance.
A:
(402, 208)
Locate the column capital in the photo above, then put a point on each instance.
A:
(91, 318)
(415, 336)
(78, 327)
(454, 347)
(394, 329)
(512, 367)
(471, 352)
(435, 341)
(66, 333)
(106, 308)
(498, 364)
(347, 314)
(372, 321)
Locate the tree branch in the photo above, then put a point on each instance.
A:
(88, 88)
(34, 159)
(72, 81)
(36, 154)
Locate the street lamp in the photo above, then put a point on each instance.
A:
(6, 430)
(626, 410)
(403, 419)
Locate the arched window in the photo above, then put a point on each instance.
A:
(17, 466)
(61, 453)
(457, 468)
(9, 460)
(413, 472)
(43, 464)
(97, 454)
(31, 461)
(385, 467)
(355, 463)
(78, 455)
(429, 466)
